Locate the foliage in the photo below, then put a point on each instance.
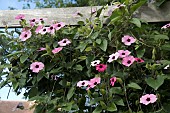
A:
(119, 86)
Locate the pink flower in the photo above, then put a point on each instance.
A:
(33, 21)
(59, 25)
(20, 17)
(41, 49)
(123, 53)
(64, 42)
(112, 81)
(127, 61)
(95, 62)
(148, 98)
(113, 57)
(36, 67)
(166, 26)
(128, 40)
(101, 67)
(82, 83)
(56, 50)
(139, 60)
(43, 30)
(51, 29)
(25, 35)
(93, 82)
(38, 29)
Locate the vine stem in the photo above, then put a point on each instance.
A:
(124, 87)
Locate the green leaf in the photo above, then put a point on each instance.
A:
(40, 76)
(82, 57)
(166, 47)
(95, 100)
(134, 86)
(98, 109)
(95, 35)
(79, 67)
(80, 23)
(136, 21)
(89, 59)
(23, 58)
(82, 46)
(155, 83)
(140, 52)
(160, 36)
(103, 105)
(88, 49)
(112, 107)
(138, 5)
(98, 41)
(103, 45)
(120, 102)
(70, 93)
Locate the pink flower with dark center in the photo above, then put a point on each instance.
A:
(38, 29)
(41, 49)
(64, 42)
(101, 67)
(42, 19)
(25, 35)
(166, 26)
(43, 30)
(56, 50)
(127, 61)
(113, 57)
(51, 29)
(93, 82)
(83, 83)
(123, 53)
(128, 40)
(33, 21)
(95, 62)
(112, 81)
(139, 60)
(20, 17)
(36, 67)
(59, 25)
(148, 98)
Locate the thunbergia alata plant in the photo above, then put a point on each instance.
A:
(108, 64)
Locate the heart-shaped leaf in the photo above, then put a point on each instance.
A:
(155, 83)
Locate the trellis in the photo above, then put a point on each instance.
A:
(149, 12)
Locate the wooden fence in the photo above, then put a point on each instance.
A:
(150, 13)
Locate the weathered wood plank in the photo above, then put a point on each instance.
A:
(148, 13)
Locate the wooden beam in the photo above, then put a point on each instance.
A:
(149, 13)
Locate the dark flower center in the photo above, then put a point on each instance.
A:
(64, 41)
(128, 61)
(37, 66)
(113, 80)
(44, 30)
(100, 66)
(128, 40)
(148, 99)
(25, 35)
(113, 57)
(95, 83)
(51, 28)
(123, 53)
(83, 83)
(139, 60)
(59, 25)
(33, 20)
